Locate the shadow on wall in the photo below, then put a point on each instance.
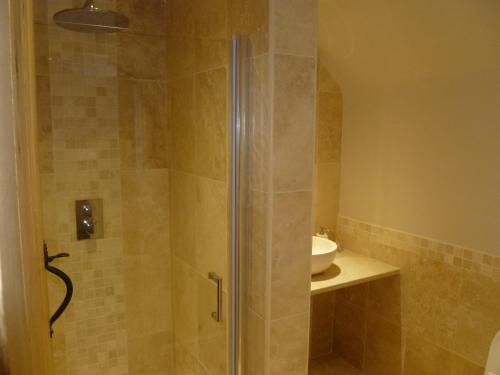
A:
(328, 145)
(362, 324)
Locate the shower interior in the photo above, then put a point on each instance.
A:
(147, 132)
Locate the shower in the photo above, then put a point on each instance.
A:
(90, 19)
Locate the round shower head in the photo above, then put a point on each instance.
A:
(90, 19)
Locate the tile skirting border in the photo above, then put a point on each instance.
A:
(459, 256)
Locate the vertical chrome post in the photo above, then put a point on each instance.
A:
(235, 137)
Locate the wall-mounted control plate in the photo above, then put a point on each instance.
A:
(89, 222)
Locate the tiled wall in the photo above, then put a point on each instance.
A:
(293, 87)
(438, 317)
(103, 135)
(321, 325)
(196, 94)
(277, 275)
(328, 142)
(197, 69)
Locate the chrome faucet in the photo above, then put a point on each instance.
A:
(323, 230)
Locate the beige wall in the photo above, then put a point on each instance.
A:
(197, 104)
(419, 171)
(420, 143)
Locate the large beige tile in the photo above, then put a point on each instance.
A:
(143, 124)
(181, 124)
(211, 53)
(293, 132)
(461, 366)
(383, 347)
(181, 56)
(146, 17)
(185, 362)
(332, 364)
(349, 333)
(211, 18)
(211, 231)
(254, 344)
(405, 260)
(474, 332)
(250, 18)
(247, 16)
(142, 56)
(145, 212)
(477, 316)
(183, 209)
(211, 124)
(424, 358)
(321, 328)
(185, 306)
(384, 297)
(355, 296)
(147, 295)
(180, 17)
(260, 131)
(151, 355)
(433, 299)
(295, 23)
(480, 292)
(255, 256)
(291, 254)
(150, 106)
(289, 342)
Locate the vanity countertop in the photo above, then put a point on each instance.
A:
(350, 268)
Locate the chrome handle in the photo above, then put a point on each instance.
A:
(217, 315)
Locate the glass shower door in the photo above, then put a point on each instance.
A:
(206, 278)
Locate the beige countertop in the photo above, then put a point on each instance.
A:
(350, 268)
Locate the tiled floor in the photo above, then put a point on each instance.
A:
(332, 365)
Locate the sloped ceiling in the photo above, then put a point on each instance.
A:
(420, 81)
(387, 42)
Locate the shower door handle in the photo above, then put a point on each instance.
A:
(67, 281)
(217, 315)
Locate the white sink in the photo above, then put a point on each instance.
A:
(323, 253)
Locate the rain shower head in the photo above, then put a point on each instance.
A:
(90, 19)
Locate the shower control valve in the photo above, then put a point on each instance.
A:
(88, 219)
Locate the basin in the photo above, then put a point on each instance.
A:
(323, 253)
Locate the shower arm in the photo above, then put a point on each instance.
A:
(89, 4)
